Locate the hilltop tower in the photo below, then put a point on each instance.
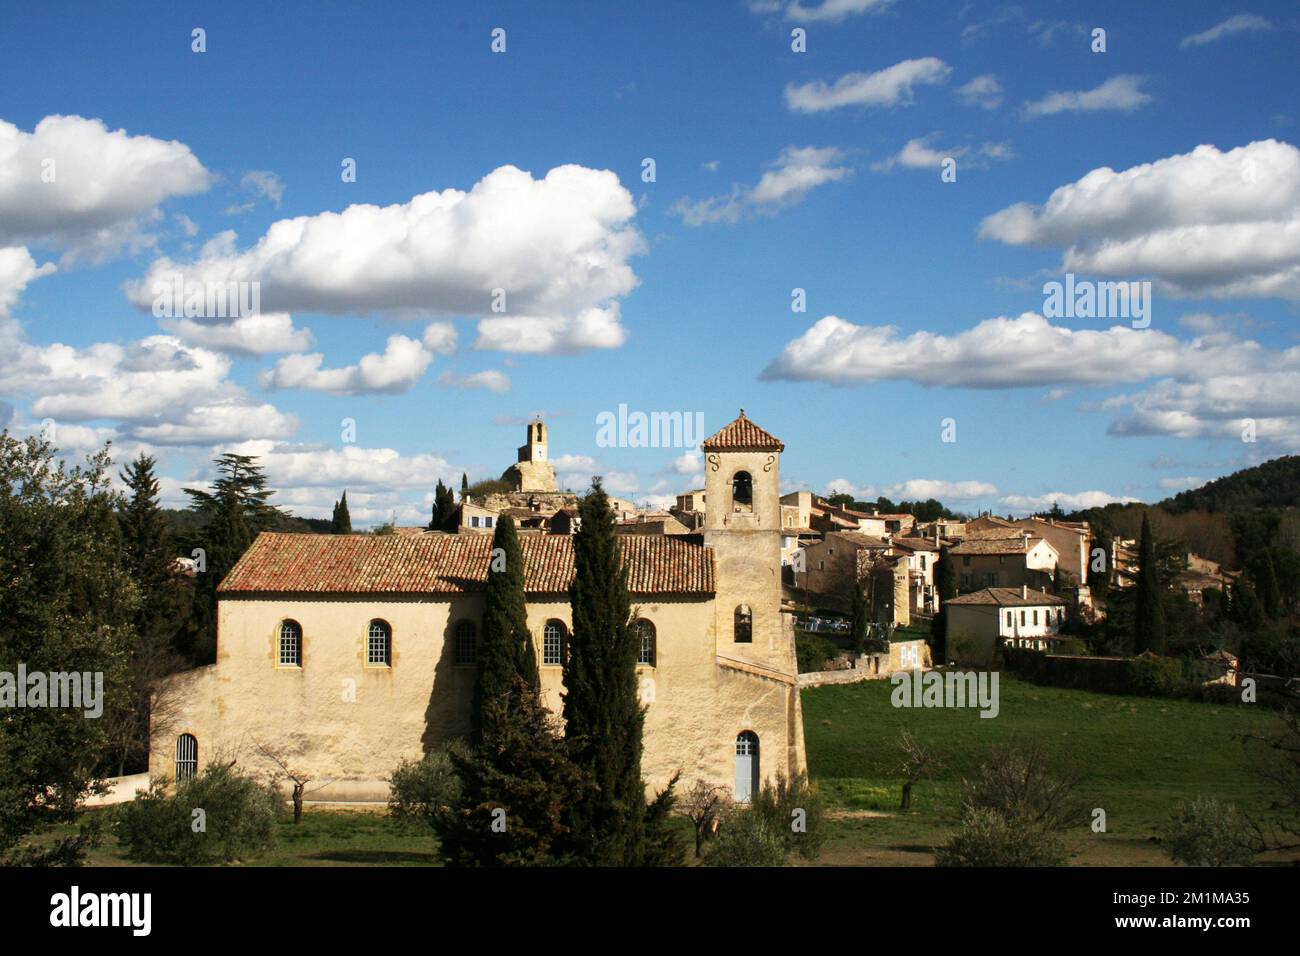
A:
(532, 472)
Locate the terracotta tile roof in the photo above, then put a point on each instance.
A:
(451, 564)
(858, 539)
(742, 435)
(915, 544)
(1020, 544)
(1007, 597)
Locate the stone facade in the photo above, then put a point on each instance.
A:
(348, 722)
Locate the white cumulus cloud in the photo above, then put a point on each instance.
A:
(394, 370)
(1208, 222)
(73, 184)
(544, 262)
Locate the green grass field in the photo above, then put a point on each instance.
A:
(1136, 757)
(327, 836)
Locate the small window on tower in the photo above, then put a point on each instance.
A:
(744, 630)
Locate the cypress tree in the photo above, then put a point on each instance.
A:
(505, 650)
(443, 517)
(1264, 577)
(1244, 607)
(464, 485)
(860, 614)
(603, 715)
(945, 584)
(1149, 612)
(342, 523)
(515, 791)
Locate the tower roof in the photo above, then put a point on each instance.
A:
(743, 435)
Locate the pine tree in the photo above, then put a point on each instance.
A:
(165, 605)
(505, 649)
(234, 510)
(342, 521)
(149, 549)
(603, 715)
(1149, 612)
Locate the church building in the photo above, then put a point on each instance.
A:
(345, 654)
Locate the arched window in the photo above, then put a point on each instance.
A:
(466, 643)
(554, 637)
(742, 492)
(187, 757)
(746, 766)
(645, 630)
(290, 644)
(744, 625)
(379, 645)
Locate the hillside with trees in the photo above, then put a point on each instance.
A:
(1274, 484)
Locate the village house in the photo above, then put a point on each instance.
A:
(1012, 561)
(346, 654)
(921, 557)
(979, 622)
(829, 565)
(1071, 539)
(826, 517)
(796, 531)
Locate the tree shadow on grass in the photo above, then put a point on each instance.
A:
(377, 857)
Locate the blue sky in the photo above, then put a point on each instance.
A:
(773, 170)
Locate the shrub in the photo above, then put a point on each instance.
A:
(423, 788)
(238, 819)
(813, 651)
(793, 809)
(747, 839)
(1208, 833)
(1017, 784)
(1072, 646)
(1154, 676)
(987, 838)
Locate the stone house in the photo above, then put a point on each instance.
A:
(347, 654)
(979, 622)
(1004, 562)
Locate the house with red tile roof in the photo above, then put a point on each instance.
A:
(347, 654)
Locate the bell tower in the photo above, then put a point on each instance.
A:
(532, 472)
(742, 474)
(534, 449)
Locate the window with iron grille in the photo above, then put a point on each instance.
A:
(290, 644)
(187, 757)
(553, 643)
(646, 648)
(379, 644)
(466, 643)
